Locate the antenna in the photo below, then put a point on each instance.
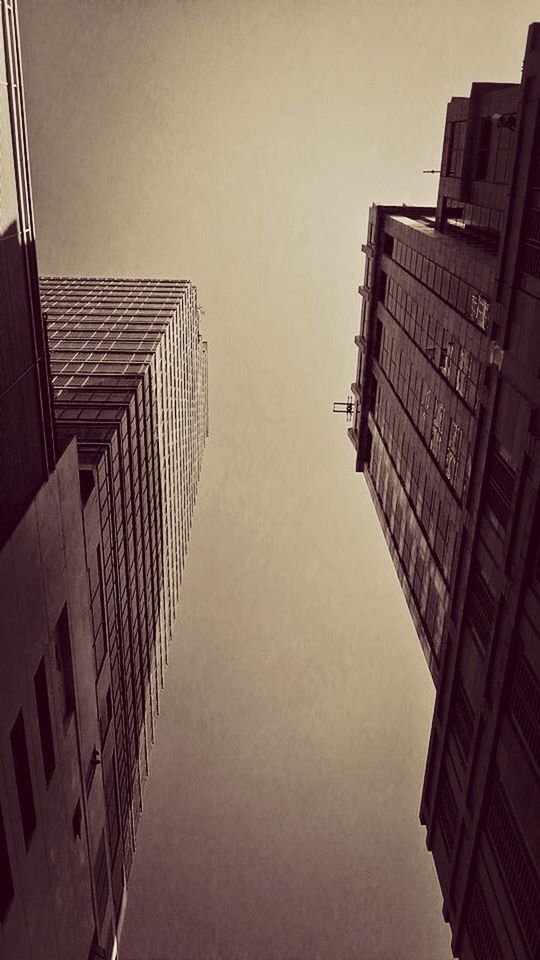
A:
(344, 406)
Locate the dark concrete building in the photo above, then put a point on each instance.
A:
(97, 491)
(447, 432)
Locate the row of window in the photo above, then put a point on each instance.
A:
(454, 361)
(518, 872)
(494, 145)
(462, 296)
(19, 750)
(431, 502)
(416, 562)
(442, 435)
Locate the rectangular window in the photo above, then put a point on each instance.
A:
(525, 706)
(447, 812)
(23, 779)
(462, 721)
(436, 428)
(499, 488)
(456, 146)
(6, 877)
(64, 663)
(44, 720)
(479, 310)
(101, 880)
(479, 927)
(484, 145)
(516, 868)
(480, 608)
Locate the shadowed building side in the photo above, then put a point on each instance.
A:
(446, 429)
(27, 449)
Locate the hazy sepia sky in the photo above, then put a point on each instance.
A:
(239, 143)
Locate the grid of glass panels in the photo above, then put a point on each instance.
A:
(130, 382)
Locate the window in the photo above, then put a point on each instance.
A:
(447, 812)
(480, 608)
(525, 706)
(77, 821)
(480, 928)
(452, 451)
(44, 720)
(479, 310)
(518, 873)
(23, 779)
(436, 428)
(499, 488)
(64, 663)
(101, 880)
(484, 145)
(456, 146)
(388, 246)
(462, 721)
(6, 878)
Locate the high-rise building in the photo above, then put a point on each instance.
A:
(97, 490)
(48, 718)
(447, 433)
(129, 373)
(27, 453)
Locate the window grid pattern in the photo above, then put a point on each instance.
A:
(432, 504)
(480, 928)
(130, 382)
(416, 564)
(462, 722)
(465, 299)
(525, 706)
(444, 350)
(500, 479)
(447, 812)
(457, 132)
(480, 608)
(518, 873)
(441, 433)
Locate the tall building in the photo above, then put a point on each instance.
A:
(129, 373)
(447, 433)
(47, 707)
(97, 491)
(27, 452)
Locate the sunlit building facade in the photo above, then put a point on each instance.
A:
(447, 432)
(129, 372)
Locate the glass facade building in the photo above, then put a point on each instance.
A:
(447, 433)
(129, 373)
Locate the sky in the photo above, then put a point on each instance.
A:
(239, 144)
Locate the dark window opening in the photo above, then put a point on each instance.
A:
(484, 145)
(101, 880)
(77, 821)
(499, 488)
(44, 721)
(87, 484)
(64, 662)
(23, 779)
(480, 608)
(383, 279)
(6, 878)
(388, 246)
